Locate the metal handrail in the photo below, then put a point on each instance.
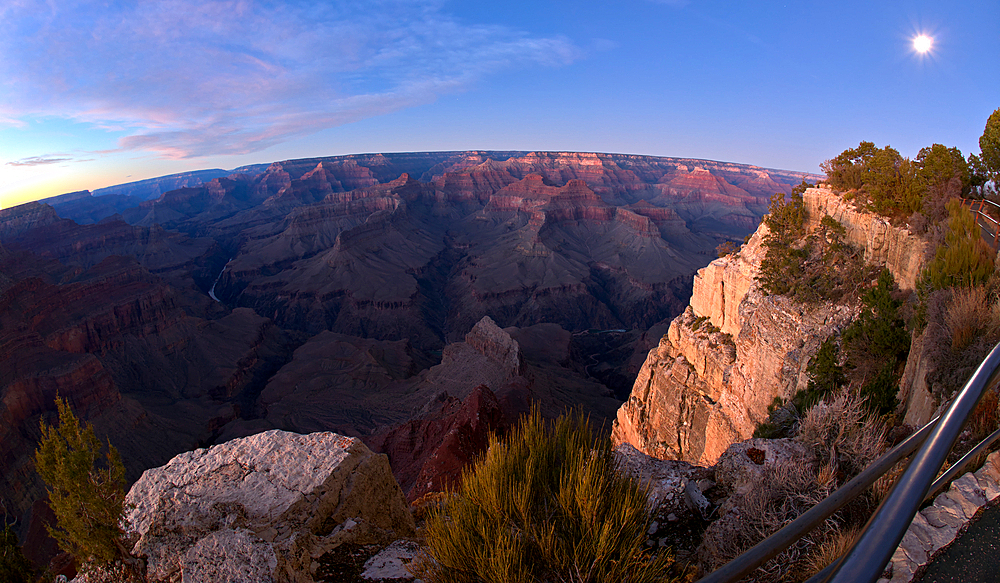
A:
(985, 375)
(959, 466)
(980, 214)
(773, 545)
(868, 557)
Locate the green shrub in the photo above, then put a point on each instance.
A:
(727, 248)
(825, 373)
(14, 567)
(938, 165)
(964, 259)
(819, 267)
(879, 333)
(546, 504)
(880, 392)
(884, 181)
(88, 501)
(782, 261)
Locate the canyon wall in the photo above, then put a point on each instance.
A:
(735, 348)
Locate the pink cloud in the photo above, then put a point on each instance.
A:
(191, 78)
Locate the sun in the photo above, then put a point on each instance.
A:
(922, 43)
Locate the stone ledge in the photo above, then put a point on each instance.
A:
(937, 526)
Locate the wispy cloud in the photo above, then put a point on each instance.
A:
(188, 78)
(37, 161)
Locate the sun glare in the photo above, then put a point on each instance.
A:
(922, 43)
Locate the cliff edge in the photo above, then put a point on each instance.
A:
(735, 348)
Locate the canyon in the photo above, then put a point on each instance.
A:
(416, 301)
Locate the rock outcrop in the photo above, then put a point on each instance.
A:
(430, 453)
(902, 252)
(735, 349)
(263, 508)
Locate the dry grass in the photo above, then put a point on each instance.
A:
(829, 551)
(843, 434)
(846, 440)
(969, 316)
(986, 416)
(882, 486)
(766, 503)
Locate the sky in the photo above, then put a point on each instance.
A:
(98, 93)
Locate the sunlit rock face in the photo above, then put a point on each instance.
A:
(263, 508)
(901, 251)
(724, 360)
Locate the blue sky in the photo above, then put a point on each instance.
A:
(95, 93)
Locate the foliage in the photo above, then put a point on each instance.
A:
(989, 145)
(891, 185)
(727, 248)
(547, 504)
(14, 567)
(880, 392)
(969, 316)
(88, 501)
(938, 165)
(964, 259)
(825, 377)
(825, 373)
(843, 433)
(883, 179)
(847, 170)
(763, 502)
(781, 419)
(820, 267)
(879, 332)
(782, 261)
(978, 175)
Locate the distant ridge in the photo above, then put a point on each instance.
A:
(153, 187)
(413, 162)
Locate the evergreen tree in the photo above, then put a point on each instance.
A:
(989, 143)
(14, 567)
(88, 500)
(825, 373)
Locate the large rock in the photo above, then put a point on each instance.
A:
(263, 508)
(702, 389)
(429, 454)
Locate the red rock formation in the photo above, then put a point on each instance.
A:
(429, 454)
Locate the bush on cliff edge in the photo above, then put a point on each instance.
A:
(547, 504)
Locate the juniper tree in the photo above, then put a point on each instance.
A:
(87, 499)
